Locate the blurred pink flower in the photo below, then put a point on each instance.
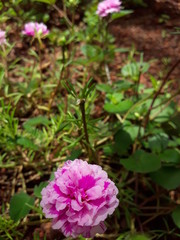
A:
(2, 37)
(79, 199)
(33, 28)
(108, 6)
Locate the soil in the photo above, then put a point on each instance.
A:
(143, 30)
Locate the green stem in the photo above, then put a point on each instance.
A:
(40, 68)
(5, 64)
(82, 108)
(40, 57)
(137, 85)
(90, 152)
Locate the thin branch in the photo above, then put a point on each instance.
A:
(159, 91)
(63, 14)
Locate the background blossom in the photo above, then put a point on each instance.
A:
(108, 6)
(79, 199)
(2, 37)
(33, 28)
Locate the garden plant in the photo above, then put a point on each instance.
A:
(87, 150)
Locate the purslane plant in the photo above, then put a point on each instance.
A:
(79, 199)
(37, 31)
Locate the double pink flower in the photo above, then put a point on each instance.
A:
(79, 199)
(35, 28)
(108, 6)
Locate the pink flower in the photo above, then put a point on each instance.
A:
(33, 28)
(108, 6)
(2, 37)
(79, 199)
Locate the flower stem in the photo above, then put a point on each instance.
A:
(105, 49)
(5, 64)
(40, 67)
(40, 59)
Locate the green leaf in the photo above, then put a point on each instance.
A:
(161, 114)
(104, 88)
(138, 237)
(40, 120)
(68, 85)
(62, 126)
(52, 176)
(139, 2)
(115, 98)
(132, 70)
(174, 142)
(158, 142)
(121, 50)
(118, 108)
(167, 177)
(133, 130)
(122, 141)
(18, 206)
(2, 73)
(38, 189)
(81, 238)
(94, 53)
(89, 51)
(26, 143)
(142, 162)
(74, 154)
(170, 156)
(46, 1)
(120, 14)
(81, 61)
(109, 149)
(176, 216)
(135, 236)
(154, 81)
(123, 85)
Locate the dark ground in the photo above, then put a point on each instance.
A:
(156, 40)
